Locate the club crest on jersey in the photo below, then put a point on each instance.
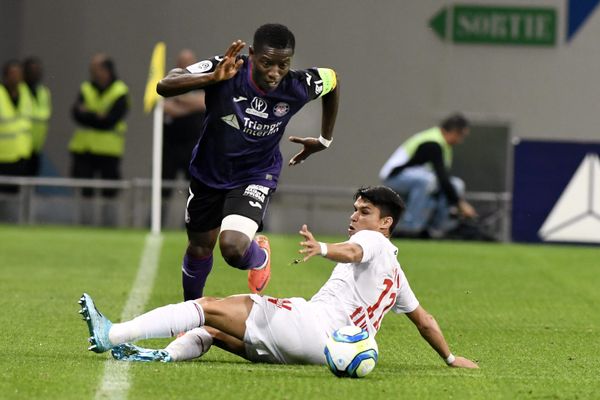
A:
(257, 108)
(281, 109)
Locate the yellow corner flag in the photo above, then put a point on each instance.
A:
(156, 73)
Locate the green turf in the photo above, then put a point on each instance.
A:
(527, 314)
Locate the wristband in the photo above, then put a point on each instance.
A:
(323, 249)
(450, 359)
(325, 142)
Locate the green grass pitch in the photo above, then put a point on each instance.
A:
(529, 315)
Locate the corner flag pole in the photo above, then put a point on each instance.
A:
(157, 145)
(152, 99)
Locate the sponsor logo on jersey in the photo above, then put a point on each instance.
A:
(238, 99)
(257, 192)
(200, 67)
(231, 120)
(254, 128)
(257, 108)
(281, 109)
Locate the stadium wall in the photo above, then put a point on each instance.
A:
(397, 76)
(10, 29)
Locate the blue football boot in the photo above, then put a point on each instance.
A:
(98, 325)
(131, 352)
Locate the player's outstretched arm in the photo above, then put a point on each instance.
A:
(180, 80)
(345, 252)
(312, 145)
(431, 332)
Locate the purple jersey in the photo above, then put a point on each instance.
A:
(243, 125)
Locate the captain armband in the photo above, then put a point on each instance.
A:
(328, 81)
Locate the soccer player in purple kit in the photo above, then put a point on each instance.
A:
(236, 164)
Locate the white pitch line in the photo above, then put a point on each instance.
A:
(115, 381)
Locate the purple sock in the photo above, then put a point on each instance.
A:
(194, 272)
(253, 258)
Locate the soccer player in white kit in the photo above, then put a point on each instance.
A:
(366, 283)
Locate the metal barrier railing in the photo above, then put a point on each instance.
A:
(30, 192)
(131, 205)
(495, 209)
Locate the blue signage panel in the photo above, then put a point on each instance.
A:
(556, 192)
(578, 12)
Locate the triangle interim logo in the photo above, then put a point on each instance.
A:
(576, 215)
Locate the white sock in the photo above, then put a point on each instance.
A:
(191, 345)
(161, 322)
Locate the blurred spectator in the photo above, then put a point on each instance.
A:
(15, 123)
(184, 116)
(41, 110)
(98, 143)
(419, 171)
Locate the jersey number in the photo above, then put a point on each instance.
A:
(375, 312)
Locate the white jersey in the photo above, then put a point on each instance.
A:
(362, 293)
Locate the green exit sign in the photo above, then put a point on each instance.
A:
(528, 26)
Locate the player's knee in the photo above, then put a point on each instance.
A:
(232, 249)
(212, 307)
(215, 333)
(198, 252)
(206, 301)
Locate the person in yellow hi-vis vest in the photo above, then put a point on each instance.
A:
(15, 123)
(41, 110)
(419, 170)
(98, 143)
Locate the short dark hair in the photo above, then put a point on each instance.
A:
(32, 60)
(8, 65)
(454, 122)
(276, 36)
(388, 202)
(109, 65)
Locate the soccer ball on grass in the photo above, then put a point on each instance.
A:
(351, 351)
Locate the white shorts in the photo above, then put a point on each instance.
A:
(284, 331)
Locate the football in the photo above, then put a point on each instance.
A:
(351, 352)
